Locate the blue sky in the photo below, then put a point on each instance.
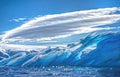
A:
(15, 9)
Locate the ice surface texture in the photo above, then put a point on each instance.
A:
(93, 50)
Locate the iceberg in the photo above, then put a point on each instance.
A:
(96, 50)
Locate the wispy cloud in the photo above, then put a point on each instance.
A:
(63, 25)
(15, 47)
(18, 19)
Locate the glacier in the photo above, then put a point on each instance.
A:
(97, 50)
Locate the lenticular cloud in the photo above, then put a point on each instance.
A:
(55, 26)
(100, 47)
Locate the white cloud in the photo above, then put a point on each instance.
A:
(18, 19)
(15, 47)
(62, 25)
(1, 36)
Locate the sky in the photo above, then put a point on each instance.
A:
(12, 10)
(17, 13)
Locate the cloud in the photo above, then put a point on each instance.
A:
(54, 26)
(14, 47)
(18, 19)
